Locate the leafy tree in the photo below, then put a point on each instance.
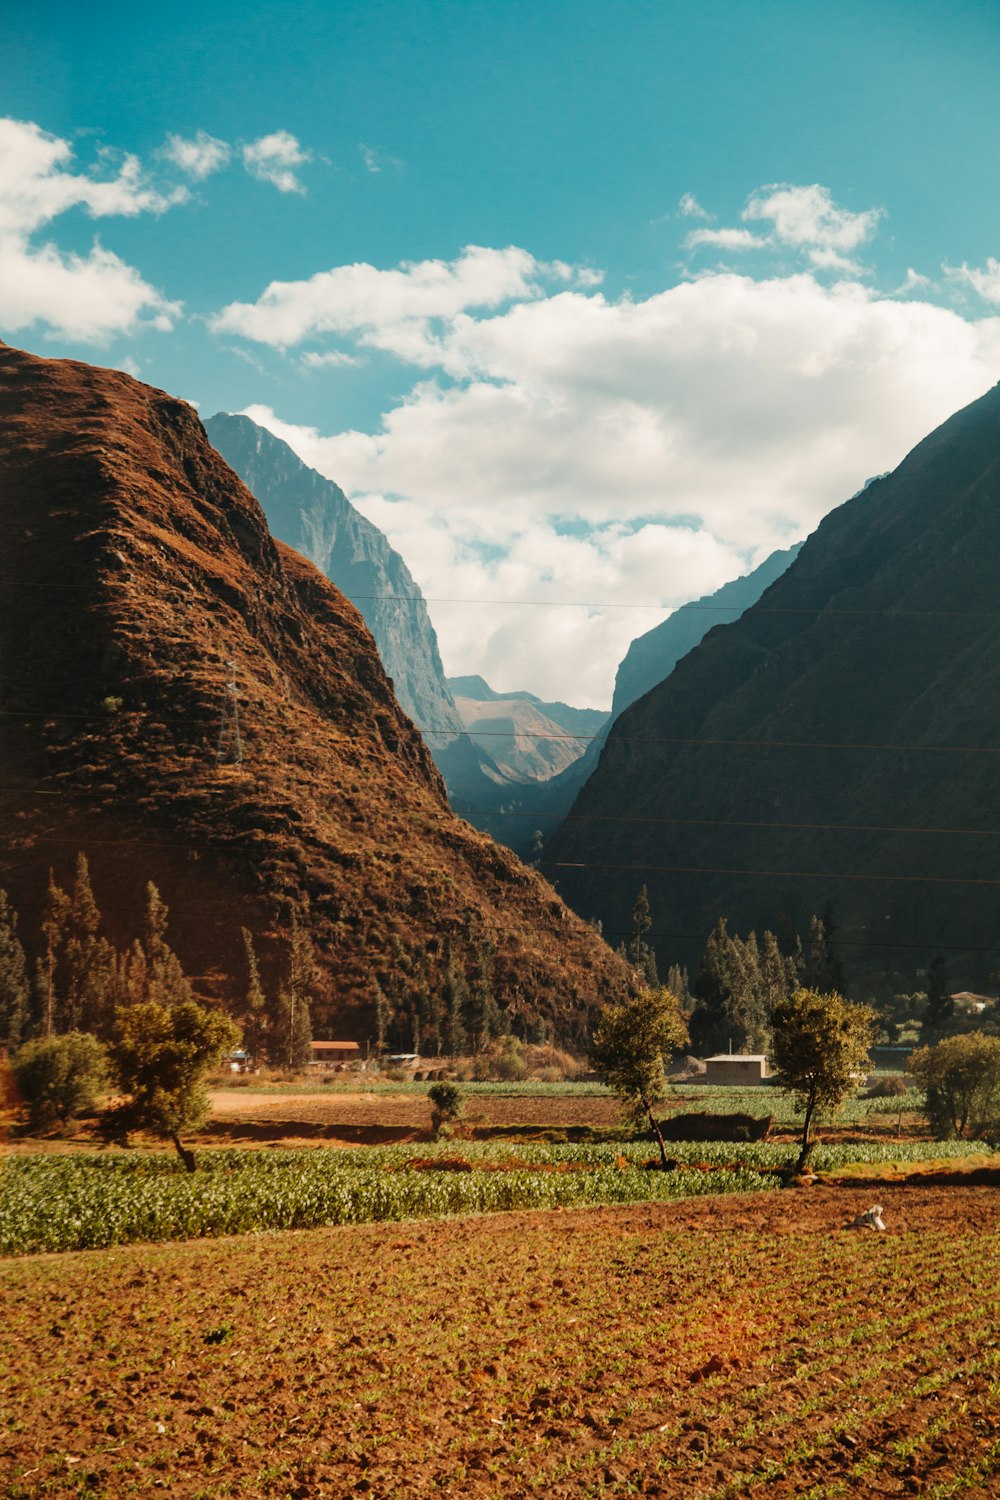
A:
(381, 1017)
(456, 1000)
(59, 1077)
(820, 1048)
(960, 1077)
(160, 1056)
(15, 988)
(446, 1099)
(630, 1045)
(710, 1019)
(89, 962)
(254, 1003)
(292, 1032)
(638, 952)
(55, 915)
(166, 983)
(940, 1009)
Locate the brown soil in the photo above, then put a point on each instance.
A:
(743, 1345)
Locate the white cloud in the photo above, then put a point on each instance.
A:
(690, 208)
(37, 183)
(85, 296)
(88, 297)
(725, 239)
(984, 281)
(393, 310)
(606, 453)
(370, 158)
(274, 158)
(808, 218)
(200, 156)
(913, 282)
(334, 357)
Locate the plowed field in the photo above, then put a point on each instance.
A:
(717, 1347)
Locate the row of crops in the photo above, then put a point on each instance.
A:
(84, 1202)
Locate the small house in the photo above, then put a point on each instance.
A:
(736, 1067)
(329, 1054)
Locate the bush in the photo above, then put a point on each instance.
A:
(708, 1127)
(60, 1077)
(892, 1086)
(447, 1101)
(960, 1078)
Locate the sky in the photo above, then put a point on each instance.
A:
(588, 304)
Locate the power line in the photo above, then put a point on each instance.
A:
(991, 833)
(641, 739)
(737, 609)
(839, 941)
(551, 864)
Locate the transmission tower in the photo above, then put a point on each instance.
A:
(229, 750)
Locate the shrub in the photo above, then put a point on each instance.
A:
(447, 1101)
(960, 1077)
(60, 1077)
(704, 1126)
(892, 1086)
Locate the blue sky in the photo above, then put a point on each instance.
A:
(733, 258)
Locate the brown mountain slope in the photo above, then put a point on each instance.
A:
(134, 567)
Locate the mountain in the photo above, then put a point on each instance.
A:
(528, 739)
(836, 743)
(139, 581)
(653, 656)
(650, 658)
(313, 515)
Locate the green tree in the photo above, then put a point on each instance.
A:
(160, 1056)
(59, 1077)
(456, 1000)
(55, 916)
(712, 990)
(446, 1100)
(960, 1077)
(638, 951)
(166, 982)
(254, 1003)
(381, 1008)
(820, 1049)
(89, 963)
(292, 1033)
(940, 1010)
(631, 1043)
(15, 988)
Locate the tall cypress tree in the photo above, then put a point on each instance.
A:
(254, 1020)
(15, 989)
(710, 1019)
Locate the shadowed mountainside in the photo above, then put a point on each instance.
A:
(135, 567)
(839, 742)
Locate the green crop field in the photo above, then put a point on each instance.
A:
(87, 1201)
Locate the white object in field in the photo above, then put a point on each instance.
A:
(871, 1218)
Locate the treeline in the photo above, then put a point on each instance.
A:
(446, 1003)
(80, 979)
(740, 980)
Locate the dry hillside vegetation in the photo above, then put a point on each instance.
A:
(136, 566)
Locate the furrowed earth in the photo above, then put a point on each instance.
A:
(711, 1347)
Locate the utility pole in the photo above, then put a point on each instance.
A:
(229, 750)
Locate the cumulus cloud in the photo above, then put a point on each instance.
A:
(690, 208)
(199, 156)
(37, 182)
(274, 158)
(807, 218)
(398, 310)
(334, 357)
(984, 280)
(596, 453)
(725, 239)
(86, 296)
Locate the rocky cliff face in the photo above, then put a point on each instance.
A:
(313, 515)
(138, 578)
(838, 742)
